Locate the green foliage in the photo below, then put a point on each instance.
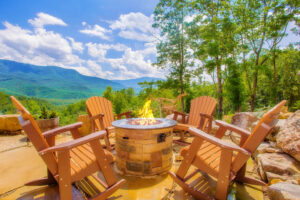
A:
(69, 113)
(44, 114)
(234, 87)
(235, 43)
(52, 114)
(173, 52)
(58, 85)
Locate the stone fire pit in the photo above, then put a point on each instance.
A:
(144, 149)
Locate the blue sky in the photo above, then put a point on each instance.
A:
(111, 39)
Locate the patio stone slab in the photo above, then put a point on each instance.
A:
(20, 165)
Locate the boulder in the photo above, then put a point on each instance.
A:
(10, 124)
(284, 191)
(273, 134)
(288, 138)
(244, 120)
(267, 147)
(278, 166)
(285, 115)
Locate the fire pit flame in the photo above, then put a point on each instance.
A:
(146, 114)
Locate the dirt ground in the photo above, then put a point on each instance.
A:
(20, 163)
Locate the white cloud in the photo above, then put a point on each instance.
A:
(99, 50)
(76, 45)
(135, 26)
(97, 31)
(45, 19)
(40, 47)
(96, 70)
(95, 50)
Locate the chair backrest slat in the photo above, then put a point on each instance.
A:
(100, 105)
(34, 134)
(258, 134)
(203, 104)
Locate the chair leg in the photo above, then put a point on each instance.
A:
(181, 140)
(189, 157)
(224, 175)
(107, 142)
(64, 172)
(181, 143)
(252, 181)
(242, 178)
(182, 135)
(103, 163)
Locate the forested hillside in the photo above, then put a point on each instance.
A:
(241, 45)
(49, 82)
(56, 84)
(230, 50)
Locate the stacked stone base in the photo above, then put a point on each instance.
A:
(144, 152)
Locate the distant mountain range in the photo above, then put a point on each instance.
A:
(133, 83)
(52, 82)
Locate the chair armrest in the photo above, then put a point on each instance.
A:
(166, 99)
(233, 128)
(208, 125)
(176, 113)
(74, 143)
(101, 121)
(210, 117)
(62, 129)
(179, 113)
(127, 114)
(216, 141)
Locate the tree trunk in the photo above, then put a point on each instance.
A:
(220, 92)
(181, 100)
(274, 78)
(181, 66)
(253, 95)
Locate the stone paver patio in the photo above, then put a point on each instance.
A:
(20, 163)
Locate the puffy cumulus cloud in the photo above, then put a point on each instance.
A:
(45, 19)
(97, 31)
(131, 64)
(96, 70)
(135, 26)
(76, 45)
(40, 47)
(99, 50)
(96, 51)
(43, 47)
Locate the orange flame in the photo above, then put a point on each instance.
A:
(146, 114)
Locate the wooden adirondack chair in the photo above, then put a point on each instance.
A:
(169, 105)
(101, 112)
(224, 161)
(200, 116)
(70, 161)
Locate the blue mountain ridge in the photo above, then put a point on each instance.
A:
(51, 82)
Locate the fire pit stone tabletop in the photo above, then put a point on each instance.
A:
(130, 123)
(144, 146)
